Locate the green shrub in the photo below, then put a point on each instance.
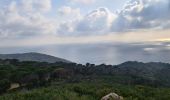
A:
(4, 85)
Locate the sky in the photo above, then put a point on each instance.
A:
(95, 31)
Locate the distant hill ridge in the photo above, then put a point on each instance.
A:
(33, 56)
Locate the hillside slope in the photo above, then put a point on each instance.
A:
(60, 81)
(33, 57)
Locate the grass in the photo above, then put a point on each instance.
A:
(89, 91)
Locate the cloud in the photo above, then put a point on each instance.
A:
(15, 21)
(143, 14)
(66, 29)
(70, 16)
(69, 13)
(66, 10)
(36, 5)
(98, 20)
(135, 15)
(32, 17)
(83, 1)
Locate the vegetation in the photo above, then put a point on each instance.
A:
(89, 91)
(71, 81)
(4, 85)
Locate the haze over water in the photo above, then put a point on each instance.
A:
(107, 53)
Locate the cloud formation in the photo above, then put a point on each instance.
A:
(143, 14)
(135, 15)
(68, 13)
(83, 1)
(98, 20)
(36, 5)
(66, 10)
(16, 20)
(32, 17)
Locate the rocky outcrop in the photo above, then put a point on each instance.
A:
(112, 96)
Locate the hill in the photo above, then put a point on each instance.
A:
(33, 57)
(70, 81)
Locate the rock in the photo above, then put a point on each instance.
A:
(112, 96)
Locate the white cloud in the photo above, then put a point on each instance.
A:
(143, 14)
(66, 29)
(83, 1)
(96, 21)
(29, 17)
(69, 13)
(15, 22)
(135, 15)
(69, 17)
(65, 10)
(36, 5)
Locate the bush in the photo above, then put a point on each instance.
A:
(4, 85)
